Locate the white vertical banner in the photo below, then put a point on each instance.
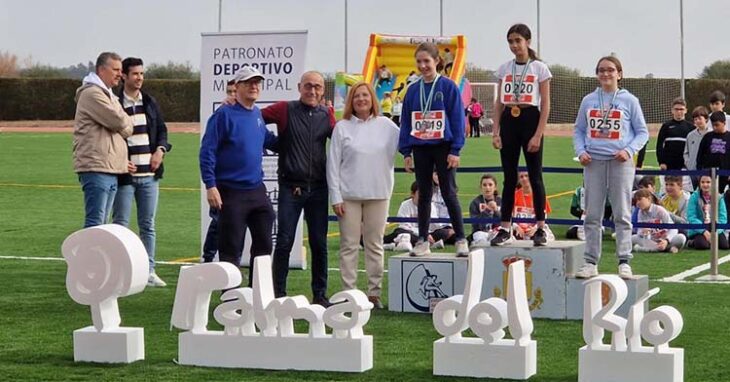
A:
(280, 57)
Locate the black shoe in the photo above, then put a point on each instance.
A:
(503, 237)
(540, 237)
(324, 301)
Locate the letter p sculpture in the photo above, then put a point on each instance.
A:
(104, 263)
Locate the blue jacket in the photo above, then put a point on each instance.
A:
(232, 148)
(447, 98)
(633, 131)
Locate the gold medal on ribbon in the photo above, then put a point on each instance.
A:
(515, 110)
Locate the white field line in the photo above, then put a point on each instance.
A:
(158, 262)
(680, 277)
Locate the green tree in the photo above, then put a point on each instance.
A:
(559, 70)
(718, 70)
(171, 70)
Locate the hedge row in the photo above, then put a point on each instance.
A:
(53, 99)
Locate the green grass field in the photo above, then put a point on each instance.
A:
(41, 203)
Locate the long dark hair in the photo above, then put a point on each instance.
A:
(493, 179)
(524, 31)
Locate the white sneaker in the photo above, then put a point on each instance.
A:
(587, 271)
(404, 246)
(421, 249)
(462, 248)
(389, 247)
(480, 243)
(155, 281)
(438, 245)
(624, 271)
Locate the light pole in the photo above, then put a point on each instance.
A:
(220, 13)
(538, 28)
(346, 36)
(681, 46)
(441, 18)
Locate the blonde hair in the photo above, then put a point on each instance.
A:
(349, 109)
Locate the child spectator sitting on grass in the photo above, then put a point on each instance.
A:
(523, 208)
(404, 237)
(485, 206)
(655, 239)
(698, 212)
(676, 199)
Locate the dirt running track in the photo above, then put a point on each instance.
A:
(553, 130)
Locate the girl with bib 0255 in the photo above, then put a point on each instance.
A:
(609, 130)
(520, 116)
(431, 136)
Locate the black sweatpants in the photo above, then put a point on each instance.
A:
(700, 242)
(474, 123)
(244, 209)
(390, 238)
(426, 158)
(516, 134)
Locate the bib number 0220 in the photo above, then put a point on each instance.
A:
(525, 88)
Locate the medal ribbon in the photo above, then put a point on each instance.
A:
(605, 113)
(516, 85)
(426, 102)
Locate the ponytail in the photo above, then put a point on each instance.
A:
(533, 55)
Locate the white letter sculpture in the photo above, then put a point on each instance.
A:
(489, 355)
(276, 344)
(104, 263)
(625, 359)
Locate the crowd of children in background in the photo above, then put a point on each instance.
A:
(704, 143)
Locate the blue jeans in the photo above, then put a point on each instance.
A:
(315, 203)
(145, 191)
(99, 190)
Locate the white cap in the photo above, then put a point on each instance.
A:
(246, 73)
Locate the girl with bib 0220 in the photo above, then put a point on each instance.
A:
(432, 135)
(521, 113)
(609, 130)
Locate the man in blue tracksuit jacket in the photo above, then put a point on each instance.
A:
(230, 166)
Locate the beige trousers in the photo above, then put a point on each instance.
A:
(366, 217)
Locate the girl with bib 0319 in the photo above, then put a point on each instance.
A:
(431, 136)
(521, 113)
(609, 130)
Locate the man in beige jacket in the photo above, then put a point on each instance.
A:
(100, 129)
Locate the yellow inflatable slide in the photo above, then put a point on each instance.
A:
(396, 53)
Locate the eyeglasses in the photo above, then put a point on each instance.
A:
(316, 87)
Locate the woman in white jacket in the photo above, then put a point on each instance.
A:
(360, 180)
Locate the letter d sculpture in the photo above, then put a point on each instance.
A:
(104, 263)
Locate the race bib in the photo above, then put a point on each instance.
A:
(610, 129)
(429, 125)
(524, 212)
(528, 90)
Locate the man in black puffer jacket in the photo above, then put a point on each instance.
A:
(303, 127)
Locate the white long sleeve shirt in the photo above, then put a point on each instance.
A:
(409, 209)
(361, 159)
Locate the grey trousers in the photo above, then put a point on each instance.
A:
(614, 179)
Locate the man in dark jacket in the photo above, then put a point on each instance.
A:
(303, 128)
(147, 147)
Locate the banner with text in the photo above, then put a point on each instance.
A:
(279, 56)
